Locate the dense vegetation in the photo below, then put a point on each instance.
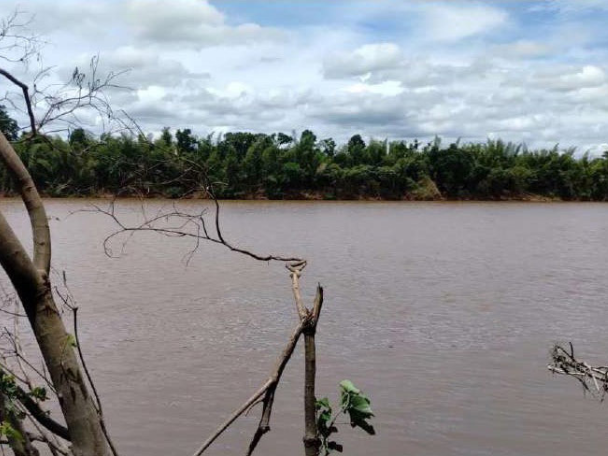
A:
(277, 166)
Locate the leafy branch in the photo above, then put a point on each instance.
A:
(352, 402)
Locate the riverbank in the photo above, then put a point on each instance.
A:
(246, 166)
(309, 196)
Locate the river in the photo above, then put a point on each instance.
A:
(443, 313)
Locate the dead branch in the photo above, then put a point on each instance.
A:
(176, 223)
(17, 42)
(593, 379)
(26, 97)
(83, 91)
(266, 393)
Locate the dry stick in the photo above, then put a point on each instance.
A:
(565, 363)
(296, 272)
(238, 412)
(309, 319)
(311, 440)
(266, 389)
(179, 231)
(19, 356)
(26, 96)
(264, 424)
(18, 349)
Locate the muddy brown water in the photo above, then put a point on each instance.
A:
(444, 313)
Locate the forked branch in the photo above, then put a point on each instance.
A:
(265, 394)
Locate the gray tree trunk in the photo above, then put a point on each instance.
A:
(30, 279)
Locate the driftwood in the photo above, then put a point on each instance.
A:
(594, 379)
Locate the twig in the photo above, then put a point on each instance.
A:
(238, 412)
(267, 390)
(92, 384)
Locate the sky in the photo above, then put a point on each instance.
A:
(523, 71)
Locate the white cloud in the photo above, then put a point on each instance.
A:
(193, 22)
(385, 88)
(570, 6)
(233, 90)
(524, 49)
(365, 59)
(589, 76)
(445, 21)
(151, 94)
(386, 69)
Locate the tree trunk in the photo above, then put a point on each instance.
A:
(31, 281)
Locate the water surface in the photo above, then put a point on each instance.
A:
(444, 313)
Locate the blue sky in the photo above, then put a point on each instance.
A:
(531, 71)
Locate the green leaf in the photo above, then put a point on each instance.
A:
(365, 426)
(348, 387)
(357, 405)
(71, 340)
(360, 405)
(8, 385)
(322, 403)
(10, 432)
(39, 393)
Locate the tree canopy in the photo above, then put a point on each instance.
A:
(8, 125)
(279, 166)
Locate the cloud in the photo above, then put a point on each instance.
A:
(449, 22)
(570, 6)
(396, 69)
(589, 76)
(92, 18)
(524, 49)
(365, 59)
(137, 68)
(193, 22)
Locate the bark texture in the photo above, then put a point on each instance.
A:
(312, 443)
(31, 281)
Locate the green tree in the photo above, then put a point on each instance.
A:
(8, 125)
(356, 149)
(186, 141)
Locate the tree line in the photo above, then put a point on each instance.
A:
(280, 166)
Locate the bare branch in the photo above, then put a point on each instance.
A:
(26, 97)
(267, 390)
(178, 224)
(295, 272)
(594, 379)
